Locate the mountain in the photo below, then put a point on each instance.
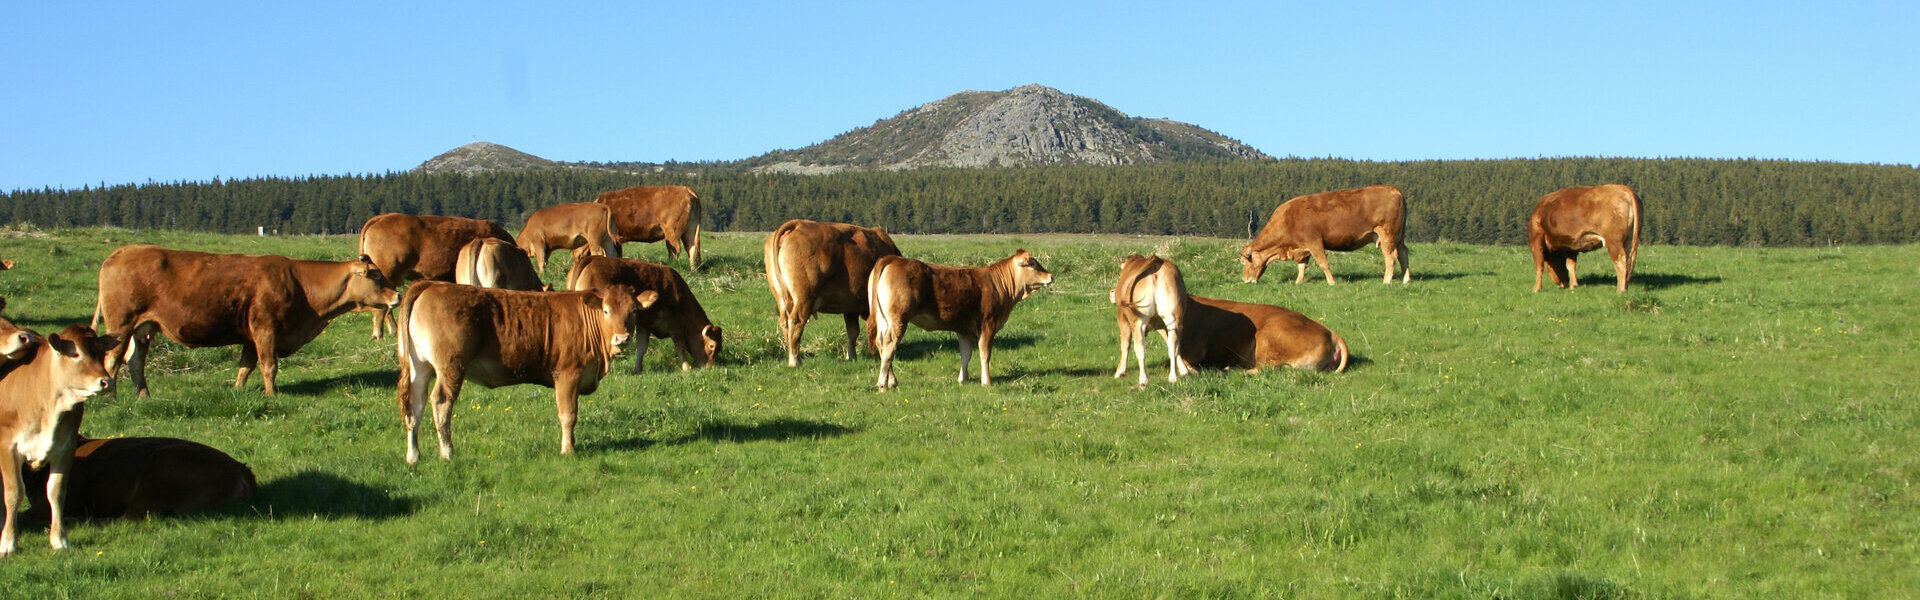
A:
(1027, 125)
(483, 156)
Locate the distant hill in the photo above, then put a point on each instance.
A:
(1025, 126)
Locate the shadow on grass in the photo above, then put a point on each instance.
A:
(1661, 281)
(46, 325)
(777, 430)
(931, 342)
(310, 494)
(317, 387)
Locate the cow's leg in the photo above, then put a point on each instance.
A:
(853, 332)
(886, 339)
(682, 347)
(793, 324)
(986, 354)
(1616, 251)
(269, 359)
(381, 317)
(10, 486)
(966, 354)
(446, 389)
(1539, 264)
(640, 341)
(691, 238)
(1140, 349)
(1406, 268)
(249, 358)
(1573, 277)
(138, 342)
(1300, 272)
(1126, 337)
(1172, 333)
(1320, 257)
(566, 401)
(413, 400)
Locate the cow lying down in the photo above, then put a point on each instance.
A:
(1239, 335)
(137, 476)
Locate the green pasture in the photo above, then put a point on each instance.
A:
(1739, 424)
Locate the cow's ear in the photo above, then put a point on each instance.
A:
(6, 263)
(64, 346)
(108, 343)
(646, 298)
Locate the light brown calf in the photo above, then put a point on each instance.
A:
(815, 267)
(973, 302)
(566, 227)
(41, 397)
(1150, 295)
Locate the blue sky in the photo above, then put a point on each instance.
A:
(124, 92)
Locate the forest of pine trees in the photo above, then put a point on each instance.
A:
(1685, 201)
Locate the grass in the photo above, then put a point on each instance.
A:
(1738, 424)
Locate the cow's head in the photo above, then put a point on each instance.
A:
(619, 307)
(15, 342)
(79, 359)
(1028, 275)
(367, 286)
(710, 344)
(1253, 260)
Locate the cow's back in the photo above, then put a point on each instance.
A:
(198, 298)
(831, 261)
(1570, 217)
(650, 213)
(1249, 335)
(501, 336)
(1336, 215)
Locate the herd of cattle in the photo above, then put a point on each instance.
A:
(478, 311)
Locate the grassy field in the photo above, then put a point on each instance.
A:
(1739, 424)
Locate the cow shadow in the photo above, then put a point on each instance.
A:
(314, 494)
(47, 324)
(317, 387)
(777, 430)
(1661, 281)
(946, 341)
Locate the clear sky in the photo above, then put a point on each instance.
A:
(130, 92)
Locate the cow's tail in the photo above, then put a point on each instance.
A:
(874, 314)
(1339, 348)
(1633, 247)
(691, 236)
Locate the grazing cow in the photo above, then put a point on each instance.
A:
(972, 302)
(1228, 334)
(655, 213)
(488, 262)
(566, 227)
(134, 477)
(271, 306)
(453, 333)
(821, 267)
(15, 341)
(1149, 295)
(408, 247)
(1344, 220)
(676, 315)
(1578, 219)
(41, 404)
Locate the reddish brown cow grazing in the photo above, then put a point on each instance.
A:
(134, 477)
(677, 315)
(15, 341)
(408, 247)
(655, 213)
(821, 267)
(566, 227)
(1578, 219)
(1228, 334)
(1149, 295)
(271, 306)
(488, 262)
(1345, 220)
(450, 334)
(973, 302)
(41, 397)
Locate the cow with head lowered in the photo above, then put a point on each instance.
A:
(656, 213)
(569, 226)
(1578, 219)
(43, 388)
(815, 267)
(675, 315)
(270, 306)
(1306, 227)
(408, 247)
(973, 302)
(451, 334)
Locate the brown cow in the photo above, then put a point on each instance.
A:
(1149, 295)
(566, 227)
(134, 477)
(488, 262)
(677, 315)
(41, 404)
(973, 302)
(1228, 334)
(1344, 220)
(271, 306)
(1578, 219)
(821, 267)
(15, 341)
(452, 333)
(408, 247)
(5, 263)
(655, 213)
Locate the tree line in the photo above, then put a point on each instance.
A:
(1685, 201)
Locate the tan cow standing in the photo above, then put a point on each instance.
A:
(450, 334)
(408, 247)
(1150, 295)
(41, 404)
(1227, 334)
(676, 315)
(1578, 219)
(1345, 220)
(815, 267)
(270, 306)
(655, 213)
(566, 227)
(973, 302)
(489, 262)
